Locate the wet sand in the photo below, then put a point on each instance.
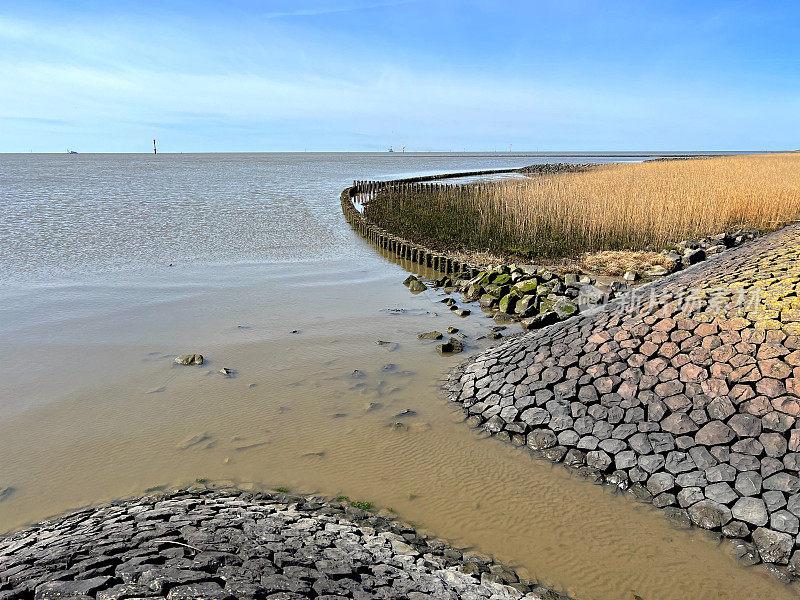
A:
(102, 412)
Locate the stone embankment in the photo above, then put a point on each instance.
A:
(228, 544)
(683, 392)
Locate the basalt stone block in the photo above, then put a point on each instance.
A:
(625, 459)
(774, 444)
(714, 433)
(660, 482)
(720, 492)
(541, 439)
(783, 520)
(773, 546)
(679, 462)
(745, 425)
(783, 482)
(709, 514)
(751, 510)
(736, 529)
(689, 496)
(719, 473)
(651, 462)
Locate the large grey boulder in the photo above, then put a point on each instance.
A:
(751, 510)
(709, 514)
(773, 546)
(714, 433)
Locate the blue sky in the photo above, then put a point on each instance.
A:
(427, 75)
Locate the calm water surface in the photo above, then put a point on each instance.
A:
(110, 265)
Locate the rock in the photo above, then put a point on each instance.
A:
(630, 276)
(452, 330)
(462, 312)
(657, 271)
(416, 286)
(494, 335)
(526, 306)
(540, 320)
(565, 308)
(226, 371)
(431, 335)
(748, 483)
(54, 590)
(714, 433)
(736, 529)
(660, 482)
(783, 520)
(451, 346)
(598, 459)
(721, 493)
(507, 303)
(504, 318)
(773, 546)
(541, 439)
(709, 514)
(751, 510)
(746, 553)
(189, 359)
(692, 257)
(783, 482)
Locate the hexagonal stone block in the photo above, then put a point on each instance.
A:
(709, 514)
(773, 546)
(783, 482)
(598, 459)
(660, 482)
(783, 520)
(745, 425)
(748, 483)
(714, 433)
(541, 439)
(720, 492)
(751, 510)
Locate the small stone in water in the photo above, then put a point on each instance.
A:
(430, 335)
(452, 330)
(189, 359)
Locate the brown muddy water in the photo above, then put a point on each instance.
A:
(93, 408)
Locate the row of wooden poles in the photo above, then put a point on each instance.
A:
(399, 246)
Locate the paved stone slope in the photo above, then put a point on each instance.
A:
(227, 544)
(685, 392)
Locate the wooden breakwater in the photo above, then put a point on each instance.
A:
(363, 191)
(400, 247)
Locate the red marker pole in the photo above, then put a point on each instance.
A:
(154, 147)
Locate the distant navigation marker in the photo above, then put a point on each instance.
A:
(154, 147)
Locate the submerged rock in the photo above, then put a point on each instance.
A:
(189, 359)
(451, 346)
(430, 335)
(6, 492)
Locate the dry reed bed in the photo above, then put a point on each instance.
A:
(640, 206)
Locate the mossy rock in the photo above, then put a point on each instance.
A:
(409, 279)
(488, 301)
(416, 286)
(528, 286)
(565, 308)
(546, 305)
(502, 279)
(474, 290)
(508, 302)
(527, 305)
